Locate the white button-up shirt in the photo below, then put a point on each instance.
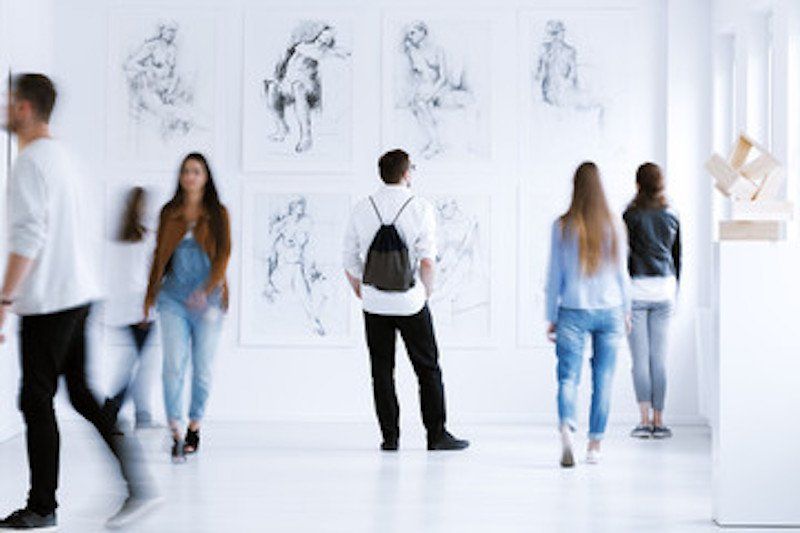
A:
(417, 228)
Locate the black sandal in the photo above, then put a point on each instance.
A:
(192, 441)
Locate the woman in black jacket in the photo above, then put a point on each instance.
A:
(654, 264)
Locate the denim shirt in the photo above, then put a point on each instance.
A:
(567, 285)
(189, 268)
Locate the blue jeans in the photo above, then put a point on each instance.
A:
(187, 334)
(606, 329)
(648, 342)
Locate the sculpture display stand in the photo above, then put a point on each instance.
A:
(752, 178)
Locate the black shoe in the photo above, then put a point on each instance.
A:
(389, 445)
(27, 520)
(447, 442)
(192, 441)
(178, 455)
(661, 432)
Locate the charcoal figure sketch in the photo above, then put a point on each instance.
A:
(557, 74)
(297, 83)
(463, 271)
(292, 270)
(157, 90)
(435, 85)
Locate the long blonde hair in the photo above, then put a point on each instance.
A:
(590, 219)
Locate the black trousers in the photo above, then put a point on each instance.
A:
(53, 345)
(418, 336)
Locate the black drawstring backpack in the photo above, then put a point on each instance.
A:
(388, 267)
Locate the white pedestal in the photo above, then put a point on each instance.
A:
(757, 434)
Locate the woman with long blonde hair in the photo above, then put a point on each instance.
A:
(587, 295)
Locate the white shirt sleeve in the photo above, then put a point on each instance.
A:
(27, 197)
(351, 255)
(425, 245)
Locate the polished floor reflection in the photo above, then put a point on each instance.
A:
(330, 477)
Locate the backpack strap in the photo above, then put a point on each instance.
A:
(401, 210)
(375, 207)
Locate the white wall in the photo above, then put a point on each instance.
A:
(670, 105)
(25, 44)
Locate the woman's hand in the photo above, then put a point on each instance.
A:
(551, 332)
(198, 300)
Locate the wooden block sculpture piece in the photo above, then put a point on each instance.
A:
(752, 178)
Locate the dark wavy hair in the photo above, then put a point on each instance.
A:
(131, 228)
(211, 203)
(651, 194)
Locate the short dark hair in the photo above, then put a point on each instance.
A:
(392, 165)
(37, 89)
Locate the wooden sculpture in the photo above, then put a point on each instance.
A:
(752, 178)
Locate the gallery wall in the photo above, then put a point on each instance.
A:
(501, 177)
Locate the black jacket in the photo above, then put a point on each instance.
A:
(654, 242)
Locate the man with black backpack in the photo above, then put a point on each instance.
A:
(389, 259)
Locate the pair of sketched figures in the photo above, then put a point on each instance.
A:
(297, 84)
(293, 272)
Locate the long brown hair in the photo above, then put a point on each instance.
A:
(131, 229)
(590, 219)
(651, 195)
(211, 204)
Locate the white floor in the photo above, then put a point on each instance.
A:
(330, 477)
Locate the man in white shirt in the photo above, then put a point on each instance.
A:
(388, 311)
(49, 282)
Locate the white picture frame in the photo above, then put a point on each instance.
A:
(287, 53)
(467, 230)
(162, 86)
(448, 127)
(301, 248)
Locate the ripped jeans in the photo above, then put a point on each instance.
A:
(606, 327)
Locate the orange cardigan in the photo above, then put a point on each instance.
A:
(172, 227)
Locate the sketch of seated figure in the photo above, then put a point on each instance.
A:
(557, 74)
(292, 271)
(436, 86)
(156, 88)
(463, 278)
(297, 83)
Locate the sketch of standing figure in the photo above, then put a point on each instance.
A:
(291, 267)
(297, 82)
(156, 89)
(462, 270)
(557, 73)
(435, 86)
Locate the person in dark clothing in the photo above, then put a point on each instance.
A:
(654, 264)
(398, 303)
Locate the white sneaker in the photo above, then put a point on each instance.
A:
(592, 456)
(567, 457)
(132, 510)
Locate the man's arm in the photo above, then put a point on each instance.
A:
(427, 274)
(351, 258)
(425, 248)
(17, 271)
(27, 229)
(355, 283)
